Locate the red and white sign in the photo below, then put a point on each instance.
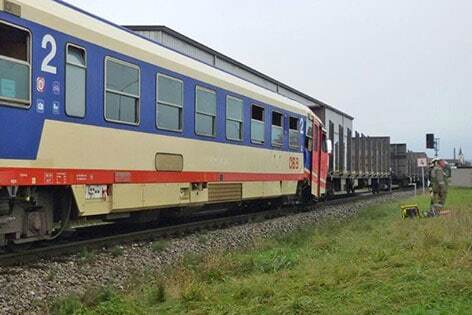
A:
(40, 84)
(423, 162)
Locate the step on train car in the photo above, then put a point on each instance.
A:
(100, 124)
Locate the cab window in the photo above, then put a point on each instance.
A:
(309, 136)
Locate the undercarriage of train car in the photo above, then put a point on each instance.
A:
(351, 185)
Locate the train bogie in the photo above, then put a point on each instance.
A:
(30, 214)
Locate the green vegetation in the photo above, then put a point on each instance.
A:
(102, 301)
(116, 251)
(159, 246)
(376, 263)
(51, 276)
(86, 255)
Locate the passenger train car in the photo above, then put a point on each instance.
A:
(98, 123)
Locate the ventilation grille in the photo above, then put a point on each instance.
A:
(225, 192)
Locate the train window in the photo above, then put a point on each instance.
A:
(122, 92)
(309, 136)
(205, 116)
(76, 72)
(234, 118)
(15, 65)
(257, 124)
(324, 143)
(277, 129)
(170, 102)
(293, 136)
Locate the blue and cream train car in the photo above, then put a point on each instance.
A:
(98, 122)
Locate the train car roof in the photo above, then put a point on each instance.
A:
(66, 18)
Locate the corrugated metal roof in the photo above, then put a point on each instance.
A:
(185, 45)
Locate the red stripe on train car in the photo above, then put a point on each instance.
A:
(46, 177)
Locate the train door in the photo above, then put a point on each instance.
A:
(315, 168)
(324, 161)
(308, 150)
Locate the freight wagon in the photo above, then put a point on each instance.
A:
(405, 170)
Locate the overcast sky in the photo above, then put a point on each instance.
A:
(400, 67)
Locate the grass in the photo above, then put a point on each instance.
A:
(376, 263)
(86, 255)
(116, 251)
(51, 276)
(159, 245)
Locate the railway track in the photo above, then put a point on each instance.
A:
(62, 248)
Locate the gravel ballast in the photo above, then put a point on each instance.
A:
(28, 289)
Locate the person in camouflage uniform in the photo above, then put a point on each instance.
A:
(448, 171)
(439, 186)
